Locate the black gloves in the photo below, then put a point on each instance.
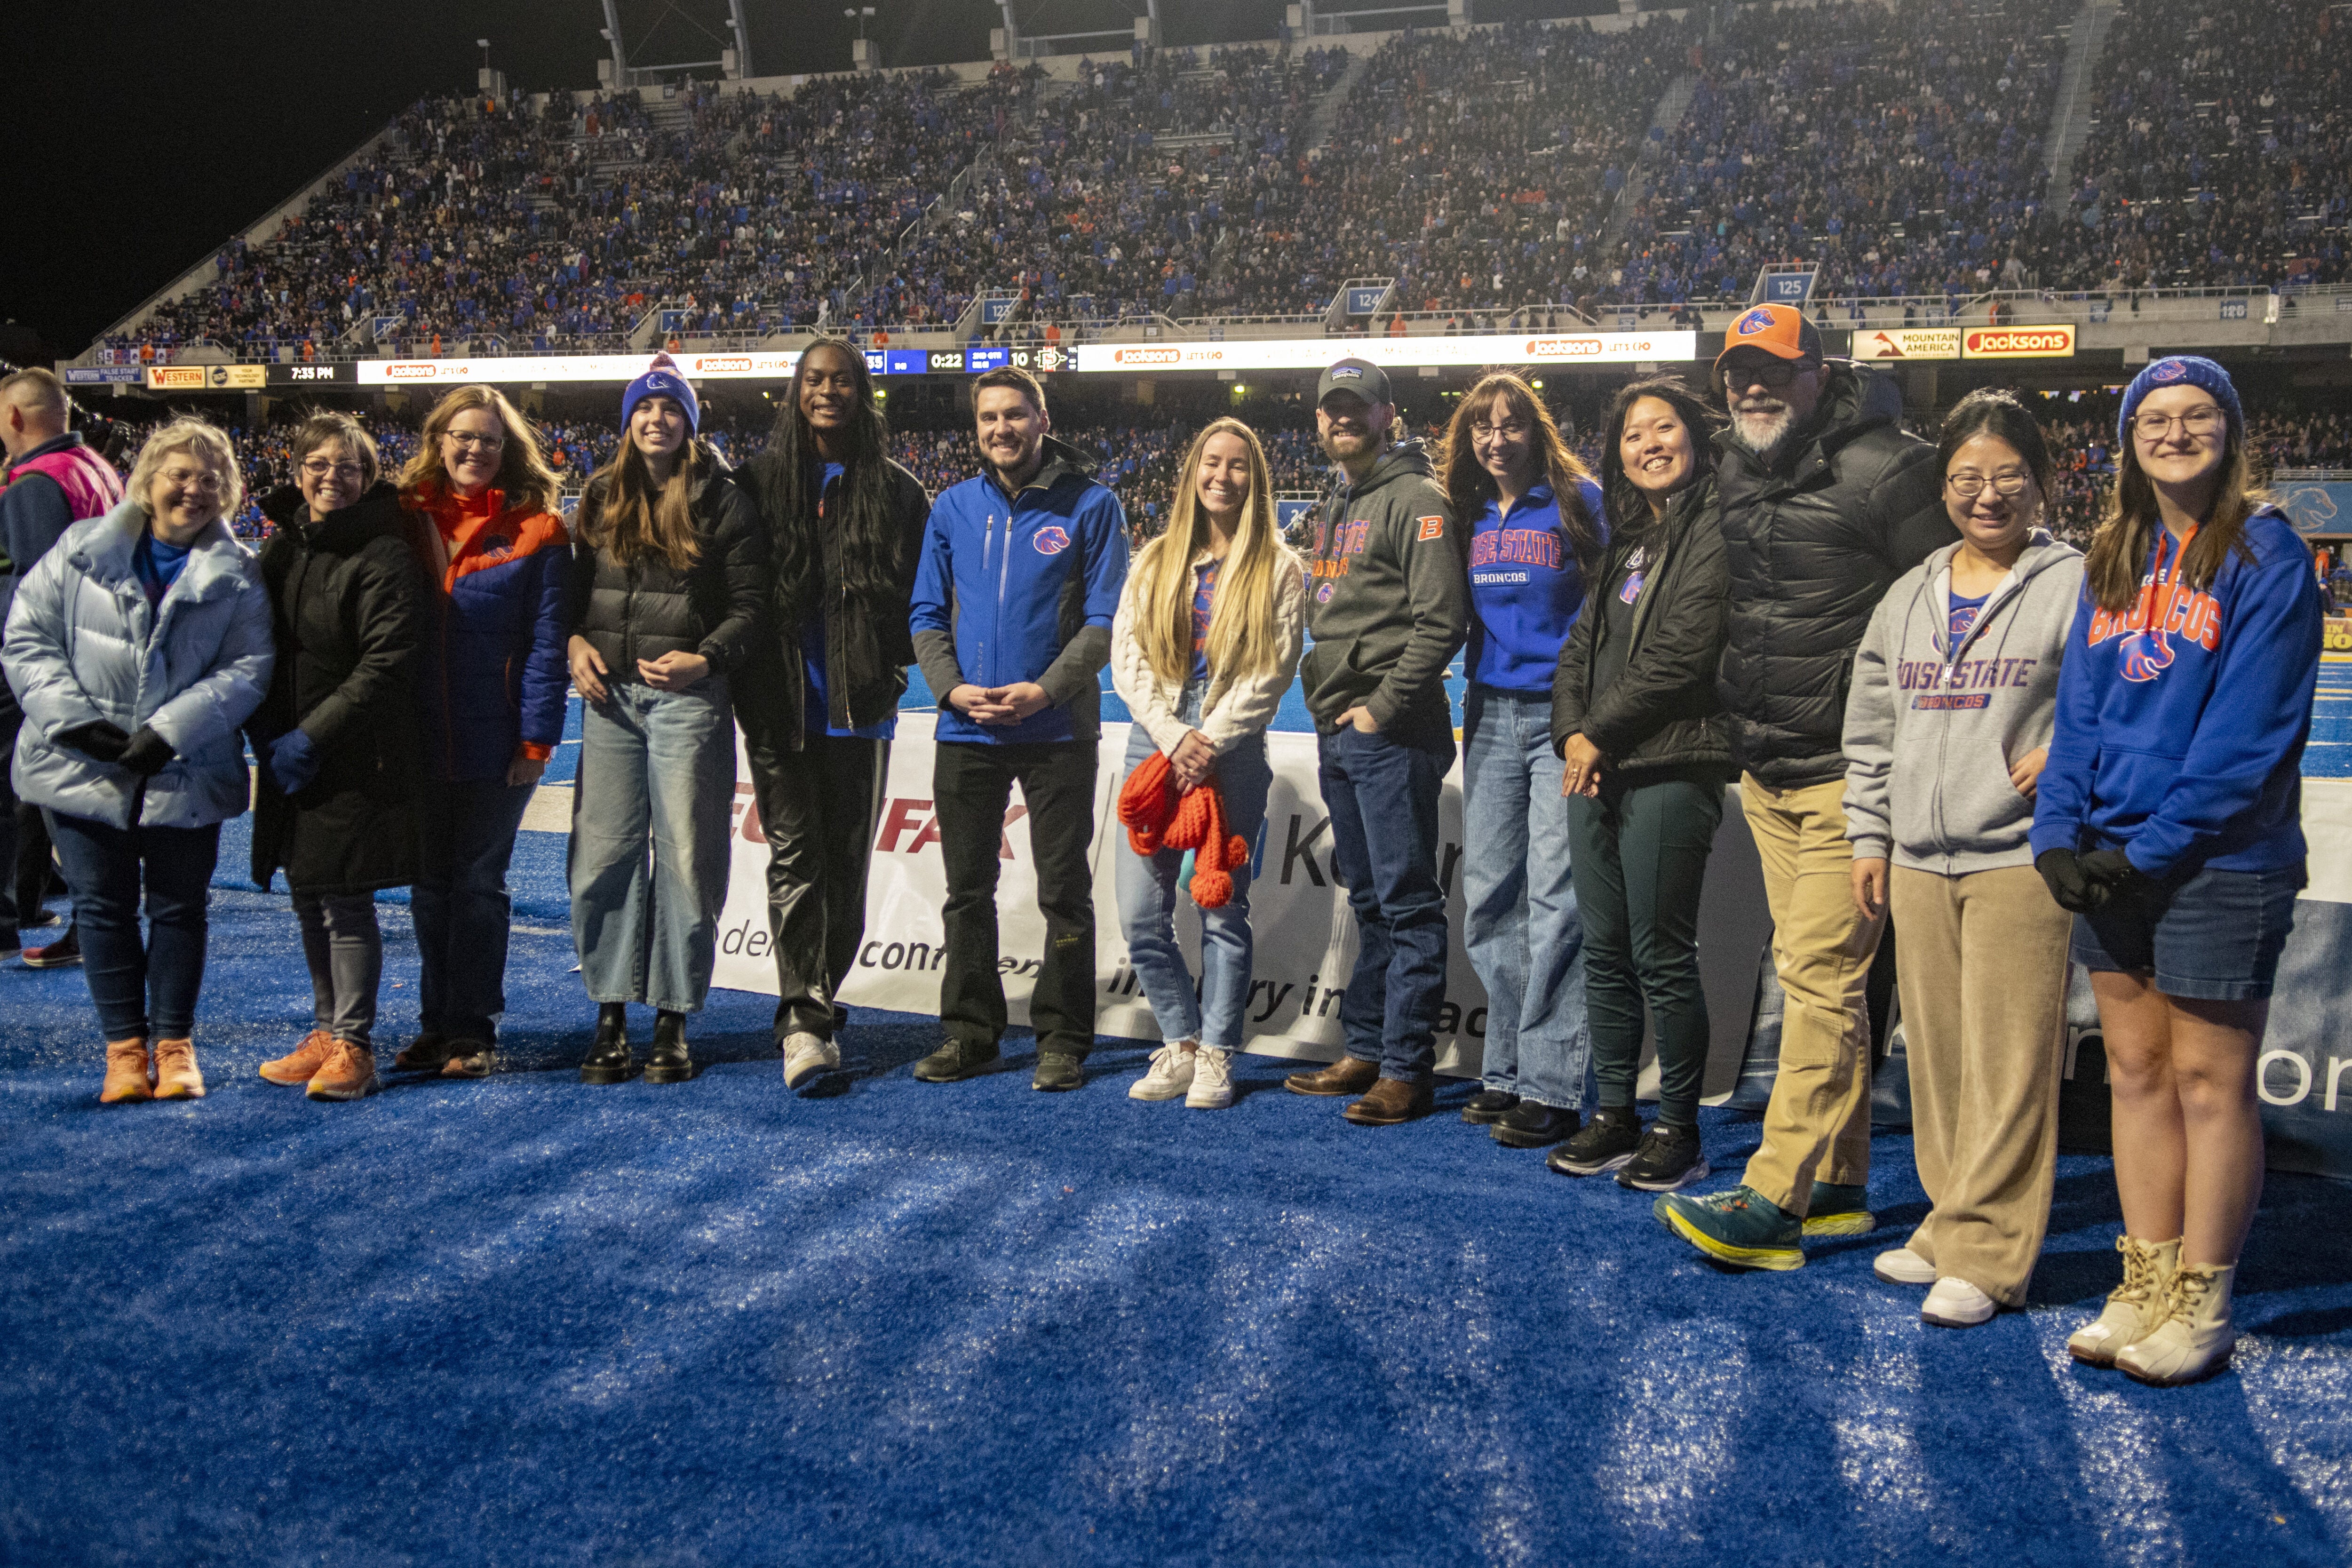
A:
(2062, 871)
(2086, 884)
(147, 753)
(96, 738)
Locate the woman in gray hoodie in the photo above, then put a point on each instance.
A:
(1948, 725)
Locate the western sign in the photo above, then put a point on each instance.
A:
(2056, 341)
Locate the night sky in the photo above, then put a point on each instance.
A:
(144, 135)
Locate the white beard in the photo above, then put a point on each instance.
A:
(1761, 432)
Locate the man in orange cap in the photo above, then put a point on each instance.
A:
(1826, 500)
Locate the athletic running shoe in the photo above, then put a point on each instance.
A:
(300, 1065)
(807, 1055)
(1902, 1267)
(1171, 1075)
(177, 1077)
(1955, 1304)
(1669, 1160)
(1213, 1079)
(1839, 1211)
(1740, 1226)
(1607, 1142)
(66, 950)
(349, 1074)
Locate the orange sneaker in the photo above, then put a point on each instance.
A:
(349, 1074)
(302, 1064)
(126, 1072)
(177, 1077)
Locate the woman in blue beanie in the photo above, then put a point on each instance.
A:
(666, 593)
(2170, 823)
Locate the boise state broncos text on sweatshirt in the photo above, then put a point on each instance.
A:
(2181, 720)
(1933, 722)
(1022, 588)
(1388, 600)
(1526, 589)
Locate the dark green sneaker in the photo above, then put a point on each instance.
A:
(1057, 1070)
(1740, 1226)
(1839, 1211)
(955, 1059)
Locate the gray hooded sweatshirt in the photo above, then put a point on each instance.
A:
(1932, 729)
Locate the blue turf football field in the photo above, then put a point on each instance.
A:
(524, 1321)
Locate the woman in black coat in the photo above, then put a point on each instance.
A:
(337, 737)
(1646, 754)
(669, 587)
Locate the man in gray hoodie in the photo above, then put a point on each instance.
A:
(1389, 606)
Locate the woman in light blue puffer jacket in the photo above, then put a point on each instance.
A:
(137, 648)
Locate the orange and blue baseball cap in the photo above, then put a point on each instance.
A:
(1781, 331)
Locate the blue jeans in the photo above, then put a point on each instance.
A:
(1149, 895)
(1519, 921)
(466, 833)
(1382, 794)
(656, 768)
(142, 990)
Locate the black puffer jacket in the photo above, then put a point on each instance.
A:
(869, 641)
(1811, 544)
(1661, 712)
(347, 608)
(648, 608)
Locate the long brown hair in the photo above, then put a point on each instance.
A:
(524, 477)
(1242, 639)
(632, 518)
(2117, 558)
(1469, 487)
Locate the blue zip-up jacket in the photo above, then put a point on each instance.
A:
(1527, 588)
(2183, 743)
(1022, 589)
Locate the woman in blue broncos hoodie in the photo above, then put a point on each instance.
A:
(2170, 823)
(1535, 533)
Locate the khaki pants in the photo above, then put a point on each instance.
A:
(1982, 974)
(1817, 1127)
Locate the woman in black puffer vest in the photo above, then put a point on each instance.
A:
(337, 736)
(669, 587)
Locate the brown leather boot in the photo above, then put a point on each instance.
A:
(1393, 1100)
(1346, 1075)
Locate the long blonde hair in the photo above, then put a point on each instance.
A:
(1242, 636)
(524, 477)
(634, 518)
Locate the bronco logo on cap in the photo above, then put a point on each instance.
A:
(1758, 320)
(2170, 370)
(1050, 541)
(1344, 372)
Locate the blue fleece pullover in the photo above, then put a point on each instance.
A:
(1526, 591)
(1022, 588)
(2183, 744)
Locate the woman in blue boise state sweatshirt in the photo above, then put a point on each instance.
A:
(1533, 533)
(2169, 821)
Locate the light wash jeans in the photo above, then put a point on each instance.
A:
(1150, 892)
(656, 773)
(1519, 921)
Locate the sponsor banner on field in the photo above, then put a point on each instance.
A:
(102, 375)
(1305, 936)
(2051, 340)
(207, 377)
(1314, 353)
(1907, 342)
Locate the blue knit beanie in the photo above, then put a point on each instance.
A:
(663, 379)
(2182, 370)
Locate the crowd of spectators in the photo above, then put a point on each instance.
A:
(2221, 152)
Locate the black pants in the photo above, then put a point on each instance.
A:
(817, 808)
(1639, 857)
(972, 786)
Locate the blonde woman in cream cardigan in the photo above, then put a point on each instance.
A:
(1205, 642)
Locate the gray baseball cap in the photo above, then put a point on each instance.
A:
(1360, 376)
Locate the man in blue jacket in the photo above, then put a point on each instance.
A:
(1020, 576)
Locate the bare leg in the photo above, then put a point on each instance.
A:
(2151, 1150)
(2214, 1045)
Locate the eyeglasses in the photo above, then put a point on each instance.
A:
(466, 438)
(1774, 372)
(2197, 422)
(316, 469)
(202, 480)
(2009, 487)
(1509, 429)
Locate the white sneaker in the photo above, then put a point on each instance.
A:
(1213, 1079)
(1902, 1267)
(1171, 1074)
(1955, 1304)
(805, 1056)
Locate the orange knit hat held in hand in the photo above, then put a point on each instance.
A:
(1157, 818)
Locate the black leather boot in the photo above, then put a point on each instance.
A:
(608, 1054)
(670, 1063)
